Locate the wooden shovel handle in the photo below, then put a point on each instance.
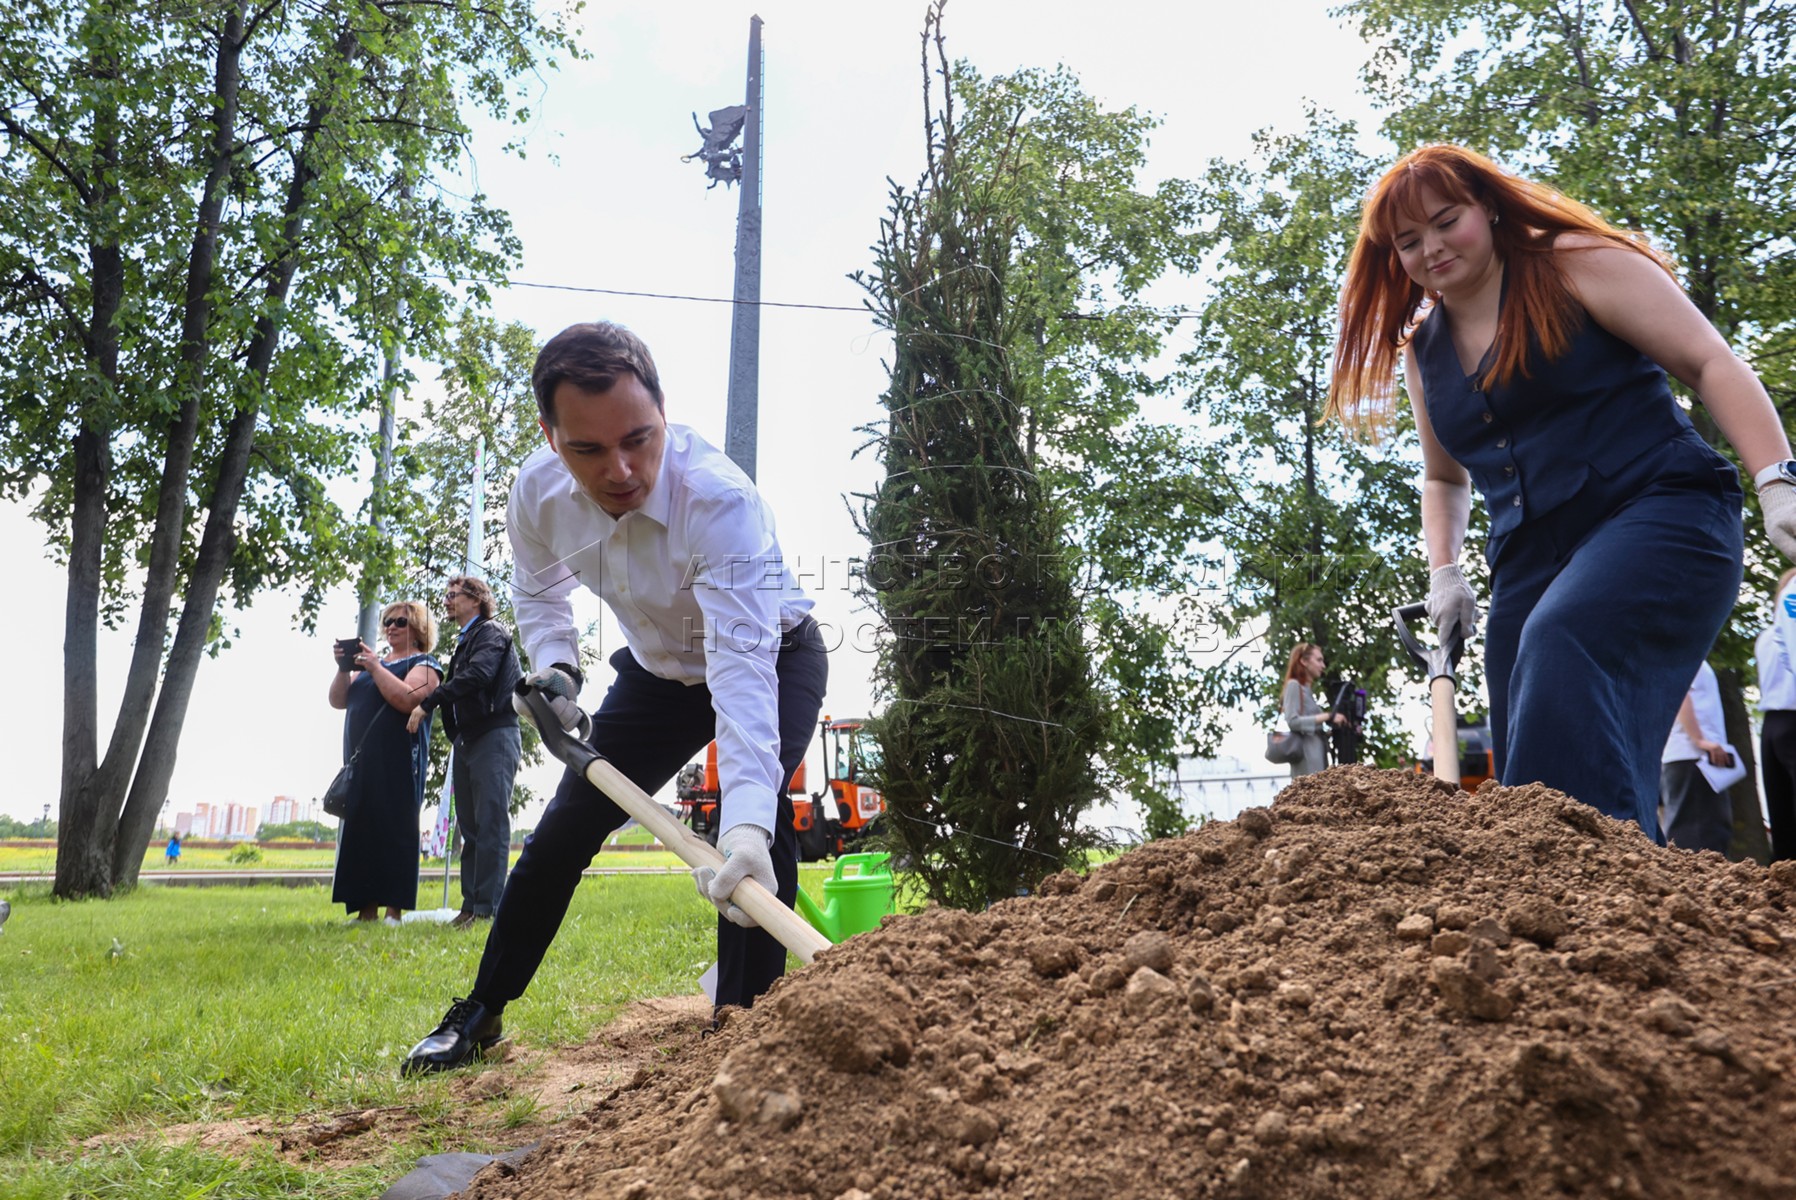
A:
(792, 931)
(785, 925)
(1446, 730)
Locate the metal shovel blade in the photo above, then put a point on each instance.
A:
(1439, 662)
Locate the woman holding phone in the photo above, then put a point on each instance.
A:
(377, 845)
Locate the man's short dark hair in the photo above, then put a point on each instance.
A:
(592, 356)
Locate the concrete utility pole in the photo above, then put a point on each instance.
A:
(724, 163)
(383, 476)
(379, 501)
(477, 512)
(743, 414)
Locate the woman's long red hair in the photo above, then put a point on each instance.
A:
(1295, 668)
(1381, 306)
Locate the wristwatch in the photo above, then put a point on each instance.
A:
(1777, 472)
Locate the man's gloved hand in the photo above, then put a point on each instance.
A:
(559, 689)
(1451, 604)
(1778, 503)
(747, 853)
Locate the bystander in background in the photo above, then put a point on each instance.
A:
(483, 729)
(1777, 699)
(1303, 715)
(1696, 769)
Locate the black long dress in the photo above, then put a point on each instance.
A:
(377, 847)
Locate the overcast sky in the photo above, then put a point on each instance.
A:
(603, 201)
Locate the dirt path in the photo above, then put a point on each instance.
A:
(513, 1103)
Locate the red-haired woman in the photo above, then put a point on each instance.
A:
(1303, 715)
(1536, 339)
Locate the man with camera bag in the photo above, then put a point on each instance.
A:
(483, 728)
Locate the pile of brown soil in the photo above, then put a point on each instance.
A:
(1373, 989)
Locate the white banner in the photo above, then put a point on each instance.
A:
(438, 840)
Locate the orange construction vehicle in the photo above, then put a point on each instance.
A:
(1476, 760)
(827, 822)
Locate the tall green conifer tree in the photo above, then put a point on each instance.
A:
(992, 719)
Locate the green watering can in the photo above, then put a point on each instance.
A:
(852, 903)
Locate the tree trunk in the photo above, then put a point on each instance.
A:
(150, 787)
(84, 828)
(177, 467)
(84, 831)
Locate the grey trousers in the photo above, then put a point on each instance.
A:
(1695, 815)
(485, 767)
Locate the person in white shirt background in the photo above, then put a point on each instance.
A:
(719, 644)
(1696, 814)
(1777, 700)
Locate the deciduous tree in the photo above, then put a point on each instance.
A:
(201, 216)
(1314, 533)
(486, 402)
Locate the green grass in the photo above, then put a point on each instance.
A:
(43, 859)
(174, 1005)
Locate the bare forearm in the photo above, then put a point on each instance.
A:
(402, 694)
(1743, 411)
(1446, 510)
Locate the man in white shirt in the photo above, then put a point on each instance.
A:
(1777, 699)
(720, 643)
(1694, 815)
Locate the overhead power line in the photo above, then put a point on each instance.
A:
(1176, 314)
(597, 291)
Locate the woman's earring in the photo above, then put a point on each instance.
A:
(1493, 218)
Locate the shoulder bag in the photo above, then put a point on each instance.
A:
(1281, 747)
(341, 796)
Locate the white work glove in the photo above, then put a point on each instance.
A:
(1778, 504)
(747, 854)
(559, 689)
(1451, 604)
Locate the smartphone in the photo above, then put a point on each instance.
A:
(347, 649)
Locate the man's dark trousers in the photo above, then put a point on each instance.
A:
(485, 767)
(648, 728)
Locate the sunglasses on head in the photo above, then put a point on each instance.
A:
(395, 622)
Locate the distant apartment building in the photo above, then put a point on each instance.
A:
(240, 821)
(217, 822)
(283, 810)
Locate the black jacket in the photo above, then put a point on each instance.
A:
(476, 696)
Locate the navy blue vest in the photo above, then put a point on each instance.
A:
(1531, 444)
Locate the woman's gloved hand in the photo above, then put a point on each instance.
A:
(747, 854)
(1778, 504)
(1451, 604)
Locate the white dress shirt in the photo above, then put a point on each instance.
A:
(1777, 683)
(1705, 703)
(1777, 676)
(696, 580)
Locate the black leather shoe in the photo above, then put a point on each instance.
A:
(468, 1032)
